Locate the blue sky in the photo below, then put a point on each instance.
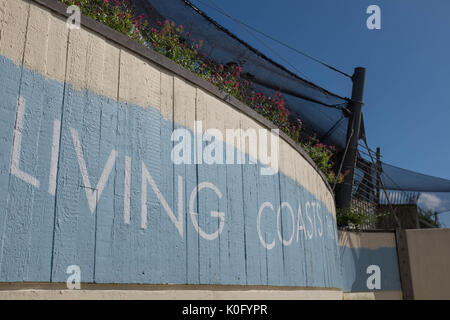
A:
(407, 103)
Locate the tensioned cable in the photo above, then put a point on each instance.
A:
(221, 28)
(223, 12)
(219, 9)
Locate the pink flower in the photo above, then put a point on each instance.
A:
(106, 1)
(236, 74)
(239, 69)
(236, 85)
(117, 2)
(159, 23)
(246, 82)
(188, 34)
(221, 67)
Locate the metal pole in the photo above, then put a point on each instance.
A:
(378, 168)
(344, 192)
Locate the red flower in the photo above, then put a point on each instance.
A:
(246, 82)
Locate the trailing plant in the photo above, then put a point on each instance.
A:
(354, 218)
(174, 42)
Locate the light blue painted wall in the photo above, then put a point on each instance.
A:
(354, 268)
(42, 234)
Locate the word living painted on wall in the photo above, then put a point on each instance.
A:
(214, 153)
(93, 194)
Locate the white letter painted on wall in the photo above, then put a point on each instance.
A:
(214, 214)
(74, 20)
(147, 178)
(17, 146)
(287, 205)
(74, 280)
(374, 21)
(92, 195)
(374, 281)
(266, 245)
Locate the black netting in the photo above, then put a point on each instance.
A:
(395, 178)
(320, 110)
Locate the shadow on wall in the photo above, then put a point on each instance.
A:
(363, 263)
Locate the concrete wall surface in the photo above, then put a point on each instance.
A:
(88, 181)
(429, 254)
(369, 265)
(57, 291)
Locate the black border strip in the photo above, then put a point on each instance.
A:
(166, 63)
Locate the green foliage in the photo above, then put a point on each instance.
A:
(429, 216)
(175, 43)
(354, 219)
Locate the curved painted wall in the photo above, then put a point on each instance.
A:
(87, 179)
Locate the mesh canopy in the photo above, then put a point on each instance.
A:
(320, 110)
(395, 178)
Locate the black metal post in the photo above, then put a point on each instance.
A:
(378, 168)
(344, 191)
